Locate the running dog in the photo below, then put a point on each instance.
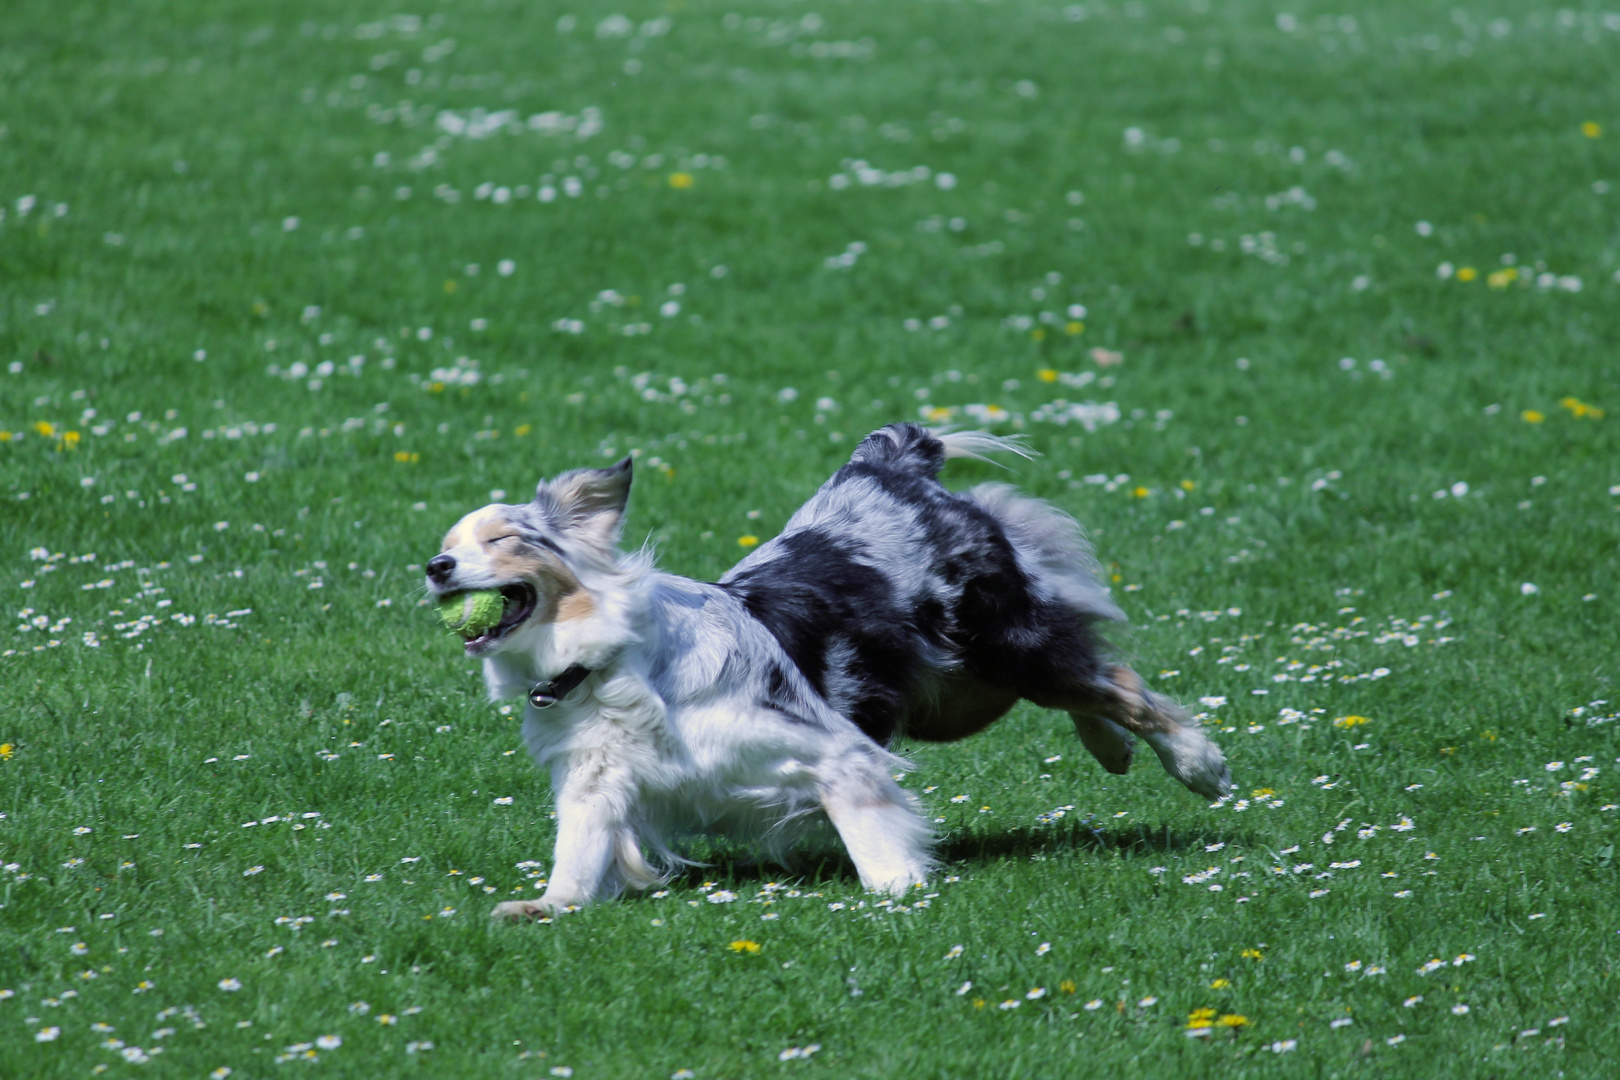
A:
(888, 607)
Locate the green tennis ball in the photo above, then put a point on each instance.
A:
(471, 613)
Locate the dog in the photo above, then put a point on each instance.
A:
(888, 607)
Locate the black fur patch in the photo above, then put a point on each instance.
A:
(819, 595)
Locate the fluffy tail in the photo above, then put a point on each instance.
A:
(1051, 550)
(925, 450)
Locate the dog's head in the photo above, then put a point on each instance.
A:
(537, 553)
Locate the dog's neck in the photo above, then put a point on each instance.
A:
(513, 672)
(545, 651)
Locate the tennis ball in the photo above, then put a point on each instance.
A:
(471, 613)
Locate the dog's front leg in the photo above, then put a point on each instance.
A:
(588, 836)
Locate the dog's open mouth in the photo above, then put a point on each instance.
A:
(520, 600)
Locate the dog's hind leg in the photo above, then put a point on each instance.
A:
(1109, 743)
(1116, 704)
(885, 839)
(1184, 751)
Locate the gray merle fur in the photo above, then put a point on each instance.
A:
(891, 593)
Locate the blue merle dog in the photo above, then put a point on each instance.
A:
(889, 607)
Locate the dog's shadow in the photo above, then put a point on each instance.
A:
(826, 865)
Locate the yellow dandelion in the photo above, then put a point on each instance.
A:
(1580, 409)
(747, 541)
(1591, 130)
(1260, 792)
(1039, 333)
(46, 429)
(1188, 485)
(1252, 954)
(1230, 1020)
(5, 436)
(1047, 375)
(978, 1003)
(1140, 492)
(406, 456)
(6, 750)
(1068, 986)
(1074, 327)
(70, 439)
(1200, 1018)
(749, 947)
(1350, 721)
(1533, 416)
(680, 180)
(1467, 273)
(522, 430)
(1220, 984)
(1501, 279)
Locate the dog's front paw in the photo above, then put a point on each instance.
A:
(528, 910)
(520, 910)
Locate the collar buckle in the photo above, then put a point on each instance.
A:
(543, 695)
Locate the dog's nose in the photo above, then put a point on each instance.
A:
(440, 567)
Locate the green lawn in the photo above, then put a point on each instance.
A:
(1312, 317)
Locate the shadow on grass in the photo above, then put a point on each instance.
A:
(827, 863)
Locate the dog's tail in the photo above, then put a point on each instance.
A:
(979, 445)
(1051, 550)
(925, 450)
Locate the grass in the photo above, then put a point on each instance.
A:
(222, 197)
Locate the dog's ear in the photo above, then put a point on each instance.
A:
(589, 502)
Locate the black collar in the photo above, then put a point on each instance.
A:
(543, 695)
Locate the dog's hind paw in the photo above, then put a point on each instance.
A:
(1198, 763)
(1213, 785)
(902, 884)
(1109, 743)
